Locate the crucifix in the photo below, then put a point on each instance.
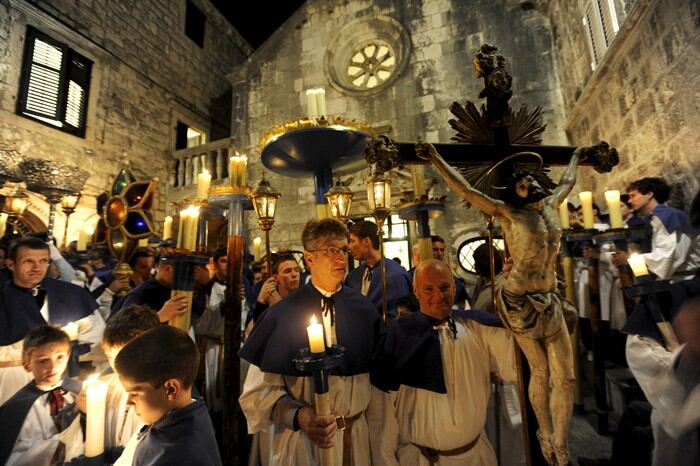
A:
(502, 170)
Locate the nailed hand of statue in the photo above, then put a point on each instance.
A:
(425, 151)
(603, 157)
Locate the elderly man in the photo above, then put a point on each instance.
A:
(437, 365)
(277, 396)
(529, 303)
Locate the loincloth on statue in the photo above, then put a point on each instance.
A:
(535, 315)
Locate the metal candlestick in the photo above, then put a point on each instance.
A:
(320, 365)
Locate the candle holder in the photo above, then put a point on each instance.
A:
(319, 365)
(646, 288)
(184, 265)
(108, 457)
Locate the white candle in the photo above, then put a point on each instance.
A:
(180, 229)
(613, 200)
(564, 214)
(315, 331)
(193, 224)
(167, 228)
(237, 169)
(203, 183)
(3, 223)
(257, 243)
(72, 330)
(96, 392)
(84, 237)
(311, 105)
(638, 265)
(321, 101)
(586, 198)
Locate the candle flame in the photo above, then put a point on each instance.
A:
(92, 379)
(313, 320)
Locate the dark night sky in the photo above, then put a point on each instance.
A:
(256, 20)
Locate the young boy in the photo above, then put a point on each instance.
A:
(40, 423)
(158, 369)
(124, 326)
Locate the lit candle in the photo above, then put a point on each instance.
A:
(564, 214)
(257, 244)
(311, 105)
(72, 330)
(315, 331)
(96, 393)
(237, 169)
(321, 101)
(203, 183)
(638, 265)
(193, 224)
(586, 198)
(143, 243)
(84, 237)
(613, 200)
(3, 224)
(167, 228)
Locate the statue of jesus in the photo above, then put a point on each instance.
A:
(529, 303)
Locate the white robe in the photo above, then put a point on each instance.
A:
(270, 402)
(451, 420)
(38, 439)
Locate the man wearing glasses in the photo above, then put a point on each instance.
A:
(276, 395)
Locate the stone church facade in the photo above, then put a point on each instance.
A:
(626, 71)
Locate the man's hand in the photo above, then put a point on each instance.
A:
(118, 284)
(267, 291)
(175, 306)
(320, 429)
(619, 258)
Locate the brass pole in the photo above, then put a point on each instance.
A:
(382, 267)
(268, 261)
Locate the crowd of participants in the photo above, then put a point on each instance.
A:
(414, 391)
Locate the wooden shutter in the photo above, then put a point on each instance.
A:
(77, 90)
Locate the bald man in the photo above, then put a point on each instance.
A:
(433, 374)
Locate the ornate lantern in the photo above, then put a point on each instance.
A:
(265, 203)
(340, 198)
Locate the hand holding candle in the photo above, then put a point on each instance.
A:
(95, 423)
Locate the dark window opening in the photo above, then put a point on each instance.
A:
(55, 84)
(194, 23)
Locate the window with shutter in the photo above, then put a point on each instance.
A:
(600, 21)
(55, 84)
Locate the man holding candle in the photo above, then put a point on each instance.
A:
(529, 302)
(40, 424)
(277, 395)
(675, 248)
(32, 300)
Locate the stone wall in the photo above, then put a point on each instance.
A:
(443, 38)
(147, 75)
(643, 97)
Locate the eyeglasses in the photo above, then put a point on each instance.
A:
(332, 251)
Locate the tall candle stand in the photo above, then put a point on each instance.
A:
(319, 365)
(234, 199)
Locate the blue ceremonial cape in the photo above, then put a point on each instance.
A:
(183, 436)
(14, 411)
(409, 354)
(398, 284)
(281, 331)
(19, 312)
(673, 219)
